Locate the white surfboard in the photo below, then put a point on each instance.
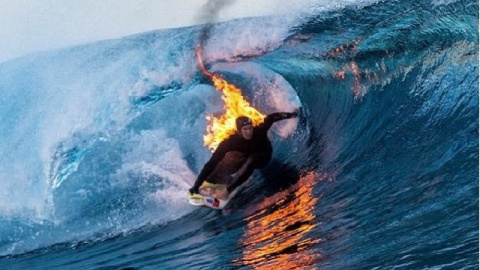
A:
(211, 195)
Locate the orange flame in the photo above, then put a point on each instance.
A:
(221, 127)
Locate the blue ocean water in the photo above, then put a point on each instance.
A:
(99, 144)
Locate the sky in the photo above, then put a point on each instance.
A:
(37, 25)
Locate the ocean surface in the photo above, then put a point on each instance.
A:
(99, 144)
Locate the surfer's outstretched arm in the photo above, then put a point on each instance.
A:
(278, 116)
(217, 156)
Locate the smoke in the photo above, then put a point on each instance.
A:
(211, 9)
(209, 15)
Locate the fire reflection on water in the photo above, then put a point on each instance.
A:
(276, 236)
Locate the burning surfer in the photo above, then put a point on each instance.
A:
(238, 138)
(236, 157)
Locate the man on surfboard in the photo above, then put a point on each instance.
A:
(236, 157)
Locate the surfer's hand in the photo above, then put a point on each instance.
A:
(193, 190)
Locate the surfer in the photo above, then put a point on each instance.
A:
(236, 157)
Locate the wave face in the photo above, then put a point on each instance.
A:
(99, 144)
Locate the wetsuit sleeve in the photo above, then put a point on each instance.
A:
(217, 156)
(274, 117)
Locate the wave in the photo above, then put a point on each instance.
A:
(105, 139)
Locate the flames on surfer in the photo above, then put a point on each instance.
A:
(222, 126)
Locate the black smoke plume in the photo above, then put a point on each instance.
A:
(208, 16)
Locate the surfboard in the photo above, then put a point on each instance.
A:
(215, 195)
(212, 195)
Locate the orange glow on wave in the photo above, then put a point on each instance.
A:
(279, 240)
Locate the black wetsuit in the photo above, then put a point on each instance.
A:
(259, 148)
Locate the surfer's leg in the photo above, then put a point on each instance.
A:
(243, 174)
(231, 163)
(256, 161)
